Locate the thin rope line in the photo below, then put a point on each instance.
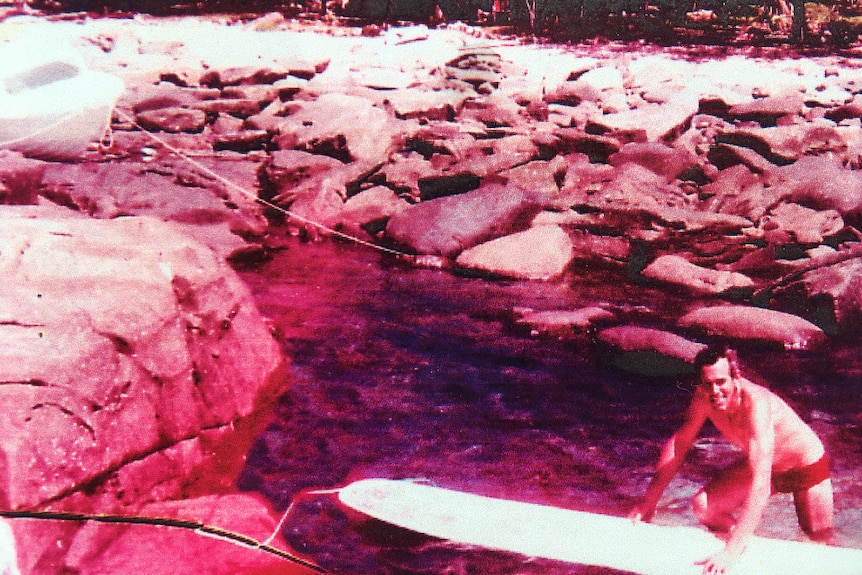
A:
(195, 526)
(254, 197)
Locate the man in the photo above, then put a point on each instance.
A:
(781, 454)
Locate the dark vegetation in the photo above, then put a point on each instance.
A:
(745, 22)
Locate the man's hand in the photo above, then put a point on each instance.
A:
(640, 513)
(720, 563)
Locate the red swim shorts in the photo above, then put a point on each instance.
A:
(801, 478)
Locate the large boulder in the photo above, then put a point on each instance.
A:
(449, 225)
(821, 182)
(120, 339)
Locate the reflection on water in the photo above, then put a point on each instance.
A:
(401, 372)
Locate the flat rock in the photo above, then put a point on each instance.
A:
(823, 183)
(540, 253)
(559, 322)
(649, 351)
(755, 324)
(676, 270)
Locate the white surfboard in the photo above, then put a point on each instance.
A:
(579, 537)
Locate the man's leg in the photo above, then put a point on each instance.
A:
(715, 504)
(814, 508)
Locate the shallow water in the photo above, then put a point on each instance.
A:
(415, 373)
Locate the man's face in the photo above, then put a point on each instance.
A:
(721, 385)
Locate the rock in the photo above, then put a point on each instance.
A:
(172, 345)
(755, 324)
(243, 75)
(20, 178)
(287, 169)
(540, 253)
(540, 176)
(427, 105)
(823, 183)
(172, 120)
(103, 549)
(559, 323)
(792, 223)
(832, 293)
(236, 107)
(783, 145)
(647, 123)
(659, 158)
(215, 213)
(163, 95)
(768, 111)
(649, 351)
(373, 207)
(676, 270)
(447, 226)
(344, 127)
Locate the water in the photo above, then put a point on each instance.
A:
(415, 373)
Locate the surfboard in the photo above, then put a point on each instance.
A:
(580, 537)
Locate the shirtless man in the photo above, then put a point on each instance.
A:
(782, 454)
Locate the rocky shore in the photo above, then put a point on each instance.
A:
(134, 351)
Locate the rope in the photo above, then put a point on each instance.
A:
(196, 526)
(254, 197)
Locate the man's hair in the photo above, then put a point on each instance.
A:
(711, 354)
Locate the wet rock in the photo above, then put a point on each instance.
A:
(172, 345)
(173, 120)
(649, 351)
(755, 325)
(611, 249)
(447, 226)
(559, 323)
(659, 158)
(676, 270)
(289, 168)
(20, 178)
(540, 253)
(100, 549)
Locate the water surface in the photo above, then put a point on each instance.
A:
(400, 372)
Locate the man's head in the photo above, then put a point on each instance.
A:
(719, 374)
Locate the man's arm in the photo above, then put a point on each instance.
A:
(672, 455)
(761, 449)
